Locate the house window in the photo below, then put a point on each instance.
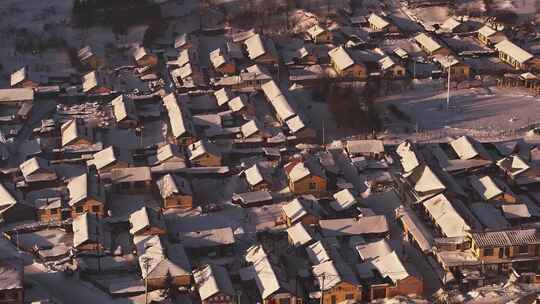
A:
(54, 211)
(140, 184)
(333, 300)
(523, 249)
(96, 209)
(79, 209)
(349, 296)
(488, 251)
(312, 186)
(298, 301)
(285, 301)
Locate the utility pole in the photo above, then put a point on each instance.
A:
(146, 265)
(448, 91)
(98, 247)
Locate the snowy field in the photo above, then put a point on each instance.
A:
(479, 108)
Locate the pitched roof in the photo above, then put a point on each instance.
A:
(223, 96)
(34, 165)
(487, 31)
(450, 24)
(169, 185)
(315, 31)
(131, 174)
(255, 46)
(14, 95)
(103, 158)
(89, 228)
(201, 148)
(18, 76)
(140, 52)
(298, 208)
(372, 250)
(427, 42)
(70, 132)
(11, 272)
(238, 103)
(378, 21)
(485, 187)
(179, 116)
(354, 226)
(218, 58)
(318, 253)
(446, 217)
(408, 156)
(295, 124)
(361, 146)
(335, 272)
(341, 58)
(82, 187)
(467, 148)
(489, 216)
(255, 175)
(505, 238)
(212, 280)
(299, 235)
(6, 198)
(123, 108)
(514, 51)
(145, 218)
(343, 200)
(391, 266)
(425, 180)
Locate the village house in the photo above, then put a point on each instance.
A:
(52, 209)
(458, 69)
(132, 180)
(278, 100)
(345, 228)
(272, 281)
(452, 25)
(76, 134)
(391, 68)
(125, 112)
(87, 195)
(106, 160)
(346, 66)
(168, 156)
(207, 241)
(343, 200)
(222, 63)
(317, 34)
(299, 235)
(88, 58)
(444, 216)
(518, 171)
(368, 148)
(261, 50)
(486, 188)
(259, 177)
(22, 78)
(181, 125)
(304, 209)
(144, 58)
(517, 57)
(12, 207)
(253, 129)
(91, 234)
(147, 221)
(239, 105)
(384, 274)
(96, 83)
(11, 284)
(503, 249)
(162, 263)
(186, 41)
(469, 148)
(379, 23)
(175, 191)
(214, 285)
(18, 100)
(337, 281)
(204, 154)
(489, 36)
(37, 170)
(306, 177)
(430, 46)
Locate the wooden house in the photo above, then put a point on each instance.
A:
(430, 46)
(147, 221)
(486, 188)
(304, 209)
(12, 207)
(144, 58)
(517, 57)
(88, 58)
(391, 68)
(106, 160)
(22, 78)
(125, 112)
(96, 83)
(52, 209)
(306, 177)
(259, 178)
(489, 36)
(270, 278)
(518, 248)
(222, 63)
(75, 133)
(38, 171)
(132, 180)
(204, 154)
(91, 234)
(182, 130)
(345, 66)
(261, 50)
(87, 195)
(317, 34)
(368, 148)
(381, 24)
(11, 285)
(175, 191)
(337, 281)
(214, 285)
(457, 68)
(445, 217)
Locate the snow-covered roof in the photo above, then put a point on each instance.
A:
(145, 218)
(514, 51)
(487, 31)
(331, 273)
(354, 226)
(446, 217)
(15, 95)
(131, 174)
(298, 235)
(179, 116)
(341, 58)
(169, 185)
(485, 186)
(373, 250)
(343, 200)
(123, 108)
(212, 280)
(427, 42)
(378, 21)
(467, 148)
